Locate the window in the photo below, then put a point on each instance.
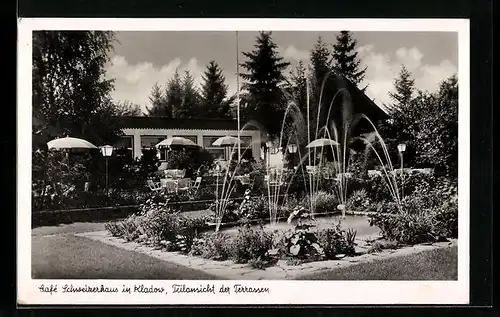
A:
(218, 152)
(148, 145)
(149, 141)
(222, 153)
(246, 141)
(123, 148)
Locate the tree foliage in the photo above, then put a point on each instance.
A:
(159, 106)
(190, 106)
(214, 101)
(298, 81)
(70, 89)
(428, 124)
(404, 89)
(127, 108)
(174, 95)
(263, 82)
(345, 58)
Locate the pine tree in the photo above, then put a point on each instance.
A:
(158, 103)
(191, 98)
(323, 88)
(404, 87)
(299, 86)
(175, 95)
(345, 58)
(214, 93)
(263, 82)
(320, 61)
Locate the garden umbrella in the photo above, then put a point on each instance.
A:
(176, 140)
(227, 141)
(321, 143)
(69, 143)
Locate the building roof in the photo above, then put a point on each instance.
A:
(363, 104)
(133, 122)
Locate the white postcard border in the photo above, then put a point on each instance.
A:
(280, 292)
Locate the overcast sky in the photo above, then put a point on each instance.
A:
(141, 59)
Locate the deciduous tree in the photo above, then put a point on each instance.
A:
(70, 89)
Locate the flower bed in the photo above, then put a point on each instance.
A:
(424, 216)
(170, 231)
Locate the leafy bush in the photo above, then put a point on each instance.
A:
(302, 244)
(407, 228)
(378, 246)
(204, 193)
(189, 159)
(336, 241)
(115, 228)
(131, 228)
(160, 223)
(426, 216)
(254, 207)
(213, 246)
(323, 202)
(446, 219)
(358, 201)
(250, 244)
(378, 188)
(231, 211)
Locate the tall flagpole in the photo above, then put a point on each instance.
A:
(238, 94)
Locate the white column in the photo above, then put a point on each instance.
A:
(256, 145)
(199, 136)
(137, 144)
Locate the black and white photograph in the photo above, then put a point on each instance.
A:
(224, 161)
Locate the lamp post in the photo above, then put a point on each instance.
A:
(292, 148)
(402, 149)
(269, 145)
(106, 151)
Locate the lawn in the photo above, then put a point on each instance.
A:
(72, 257)
(438, 264)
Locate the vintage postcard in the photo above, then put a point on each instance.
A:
(243, 161)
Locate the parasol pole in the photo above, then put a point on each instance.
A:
(238, 94)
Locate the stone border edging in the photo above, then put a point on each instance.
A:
(281, 271)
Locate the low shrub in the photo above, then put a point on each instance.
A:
(446, 219)
(115, 228)
(250, 244)
(358, 201)
(336, 241)
(407, 228)
(302, 244)
(160, 223)
(213, 246)
(322, 202)
(131, 228)
(378, 246)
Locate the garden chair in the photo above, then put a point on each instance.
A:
(172, 187)
(245, 180)
(154, 186)
(197, 183)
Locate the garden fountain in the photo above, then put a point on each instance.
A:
(301, 132)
